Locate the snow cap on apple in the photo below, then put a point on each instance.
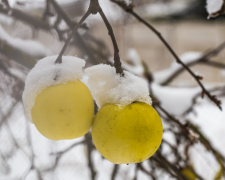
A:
(108, 87)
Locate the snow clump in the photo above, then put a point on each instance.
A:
(48, 73)
(214, 6)
(108, 87)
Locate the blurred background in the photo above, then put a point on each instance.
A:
(194, 128)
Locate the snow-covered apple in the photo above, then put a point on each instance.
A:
(55, 99)
(126, 129)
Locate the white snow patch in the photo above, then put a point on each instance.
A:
(162, 9)
(204, 162)
(175, 100)
(211, 121)
(187, 57)
(48, 73)
(109, 87)
(102, 166)
(4, 19)
(134, 64)
(30, 47)
(223, 73)
(214, 5)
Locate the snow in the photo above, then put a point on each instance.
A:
(162, 9)
(203, 161)
(4, 19)
(47, 73)
(133, 63)
(109, 87)
(211, 121)
(214, 6)
(223, 73)
(187, 57)
(175, 100)
(30, 47)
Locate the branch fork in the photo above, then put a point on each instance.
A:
(95, 8)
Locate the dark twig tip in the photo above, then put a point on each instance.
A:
(203, 93)
(58, 60)
(199, 77)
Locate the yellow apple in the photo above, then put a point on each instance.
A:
(63, 111)
(127, 134)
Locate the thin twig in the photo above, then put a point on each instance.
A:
(60, 154)
(59, 58)
(90, 148)
(117, 62)
(169, 167)
(204, 59)
(60, 12)
(95, 8)
(47, 11)
(115, 171)
(26, 18)
(194, 99)
(71, 24)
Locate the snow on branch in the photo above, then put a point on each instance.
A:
(215, 8)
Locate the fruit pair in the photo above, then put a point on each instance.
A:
(127, 133)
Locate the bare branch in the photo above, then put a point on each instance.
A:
(117, 62)
(205, 59)
(79, 41)
(19, 15)
(115, 171)
(17, 55)
(59, 58)
(95, 8)
(129, 9)
(169, 167)
(90, 148)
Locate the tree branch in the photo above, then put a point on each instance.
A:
(95, 8)
(72, 24)
(117, 62)
(129, 9)
(59, 58)
(17, 55)
(19, 15)
(205, 59)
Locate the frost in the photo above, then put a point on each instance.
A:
(30, 47)
(108, 87)
(47, 73)
(214, 6)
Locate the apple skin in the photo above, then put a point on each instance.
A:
(63, 111)
(127, 134)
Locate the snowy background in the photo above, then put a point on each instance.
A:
(26, 154)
